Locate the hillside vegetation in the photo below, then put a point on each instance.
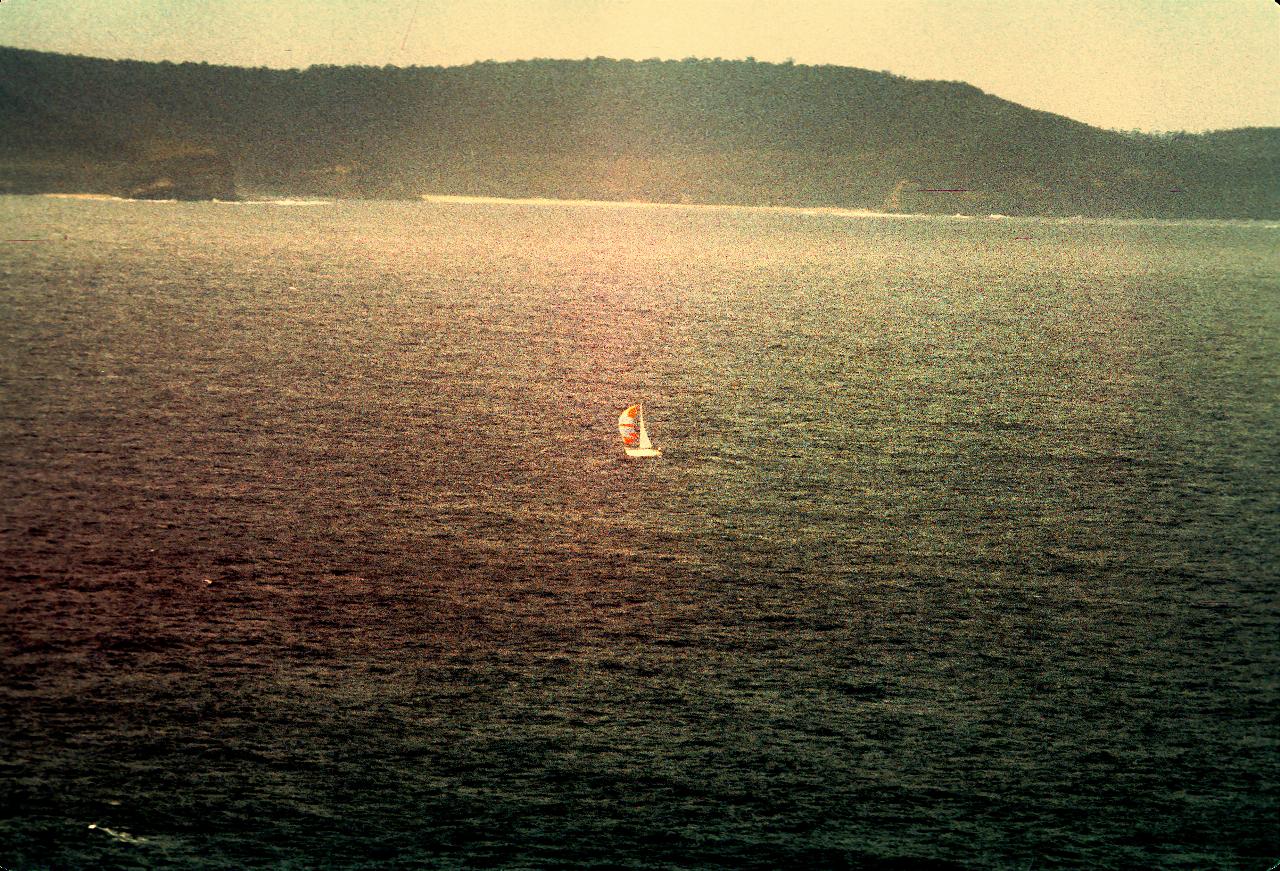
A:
(669, 131)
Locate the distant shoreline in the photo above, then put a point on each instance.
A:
(548, 202)
(835, 211)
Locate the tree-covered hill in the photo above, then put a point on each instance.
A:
(674, 131)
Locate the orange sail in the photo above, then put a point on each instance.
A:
(627, 426)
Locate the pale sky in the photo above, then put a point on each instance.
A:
(1146, 64)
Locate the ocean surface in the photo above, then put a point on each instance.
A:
(319, 549)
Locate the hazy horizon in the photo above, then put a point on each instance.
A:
(1152, 66)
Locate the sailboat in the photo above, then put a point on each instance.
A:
(635, 438)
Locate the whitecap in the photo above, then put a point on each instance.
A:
(123, 837)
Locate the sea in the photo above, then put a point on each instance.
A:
(319, 549)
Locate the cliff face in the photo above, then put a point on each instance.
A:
(190, 177)
(688, 131)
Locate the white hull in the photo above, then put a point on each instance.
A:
(643, 452)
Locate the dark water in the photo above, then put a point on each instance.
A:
(319, 549)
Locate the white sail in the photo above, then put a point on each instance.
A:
(645, 444)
